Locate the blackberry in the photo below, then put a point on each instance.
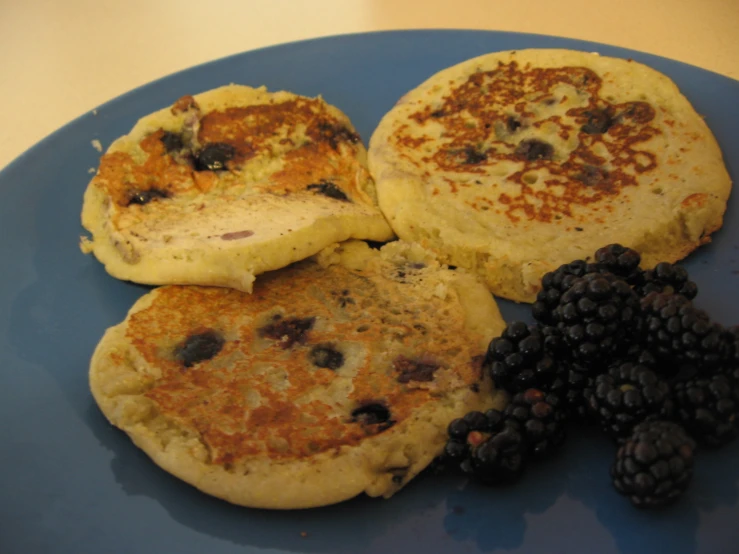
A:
(730, 367)
(487, 446)
(622, 262)
(731, 372)
(456, 449)
(573, 396)
(637, 354)
(597, 316)
(627, 395)
(655, 464)
(678, 333)
(640, 355)
(541, 418)
(519, 358)
(669, 278)
(554, 283)
(500, 459)
(708, 407)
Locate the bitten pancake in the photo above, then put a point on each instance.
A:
(513, 163)
(338, 375)
(226, 185)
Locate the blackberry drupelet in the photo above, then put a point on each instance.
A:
(678, 333)
(598, 316)
(669, 278)
(521, 358)
(573, 397)
(708, 407)
(637, 354)
(554, 283)
(626, 395)
(622, 262)
(655, 464)
(730, 367)
(541, 418)
(487, 446)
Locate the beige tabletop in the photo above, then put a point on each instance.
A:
(61, 58)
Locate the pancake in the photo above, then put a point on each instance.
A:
(228, 184)
(513, 163)
(338, 375)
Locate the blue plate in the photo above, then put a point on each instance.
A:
(69, 482)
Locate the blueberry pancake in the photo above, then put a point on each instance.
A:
(338, 375)
(513, 163)
(228, 184)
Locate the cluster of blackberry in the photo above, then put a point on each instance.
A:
(623, 348)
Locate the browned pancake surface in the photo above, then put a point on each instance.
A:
(513, 163)
(356, 358)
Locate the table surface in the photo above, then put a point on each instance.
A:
(62, 59)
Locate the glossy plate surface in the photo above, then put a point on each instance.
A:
(69, 482)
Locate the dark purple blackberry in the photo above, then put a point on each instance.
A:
(499, 459)
(678, 333)
(457, 449)
(655, 464)
(487, 446)
(554, 283)
(731, 372)
(708, 407)
(598, 316)
(573, 396)
(669, 278)
(541, 418)
(730, 367)
(627, 395)
(520, 358)
(637, 354)
(731, 341)
(622, 262)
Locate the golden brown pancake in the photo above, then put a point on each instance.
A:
(228, 184)
(513, 163)
(338, 375)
